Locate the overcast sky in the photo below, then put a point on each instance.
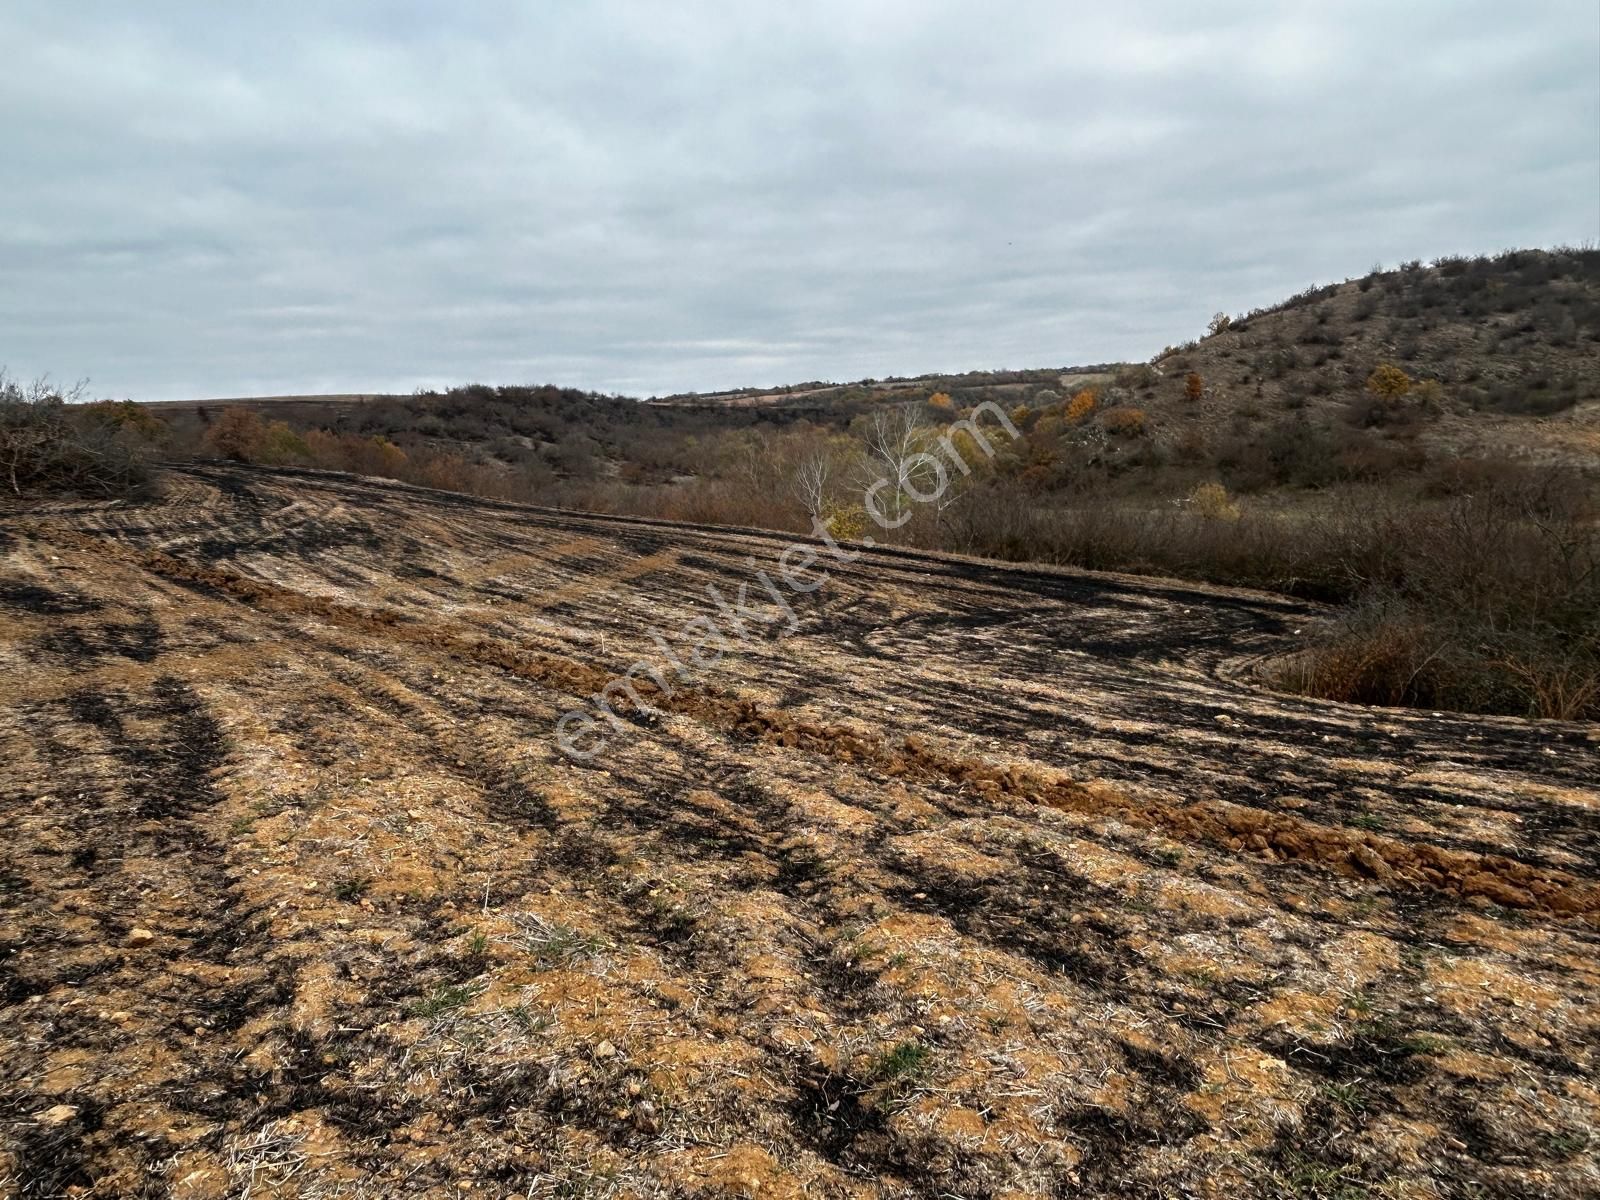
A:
(204, 200)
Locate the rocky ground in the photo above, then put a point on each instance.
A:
(963, 881)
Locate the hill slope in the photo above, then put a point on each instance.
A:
(1508, 337)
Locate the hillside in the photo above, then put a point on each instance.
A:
(1004, 387)
(964, 880)
(1513, 343)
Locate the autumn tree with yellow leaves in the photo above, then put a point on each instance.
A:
(1388, 382)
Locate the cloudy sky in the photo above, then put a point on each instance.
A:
(203, 200)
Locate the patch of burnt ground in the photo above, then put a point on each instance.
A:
(48, 602)
(837, 1116)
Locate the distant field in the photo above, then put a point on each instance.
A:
(975, 881)
(308, 409)
(326, 398)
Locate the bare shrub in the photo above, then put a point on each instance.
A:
(1374, 654)
(1488, 604)
(48, 444)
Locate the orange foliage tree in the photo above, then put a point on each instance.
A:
(237, 434)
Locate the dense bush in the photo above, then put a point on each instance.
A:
(1490, 603)
(50, 444)
(1123, 421)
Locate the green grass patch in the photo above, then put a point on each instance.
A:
(905, 1061)
(443, 999)
(351, 888)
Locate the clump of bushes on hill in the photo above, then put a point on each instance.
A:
(241, 434)
(1124, 421)
(50, 443)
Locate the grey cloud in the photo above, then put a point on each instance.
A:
(203, 201)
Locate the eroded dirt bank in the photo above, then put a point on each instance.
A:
(974, 882)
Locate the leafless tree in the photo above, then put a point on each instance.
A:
(898, 448)
(751, 463)
(893, 438)
(811, 481)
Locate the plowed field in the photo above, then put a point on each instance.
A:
(963, 881)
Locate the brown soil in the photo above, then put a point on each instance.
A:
(980, 882)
